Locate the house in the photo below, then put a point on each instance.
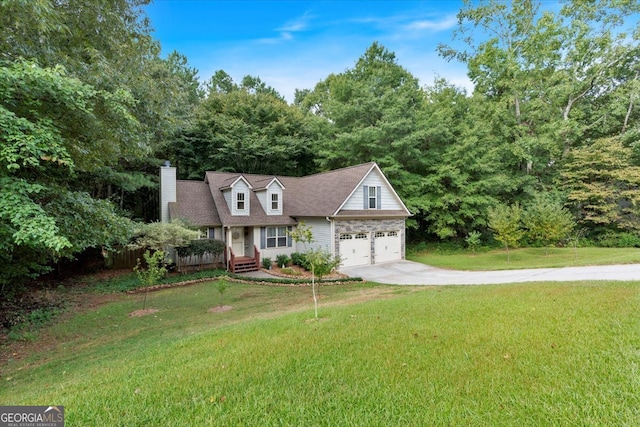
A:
(353, 212)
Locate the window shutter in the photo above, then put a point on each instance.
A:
(289, 239)
(263, 237)
(365, 194)
(378, 197)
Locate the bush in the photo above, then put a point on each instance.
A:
(283, 260)
(290, 271)
(619, 240)
(266, 263)
(300, 260)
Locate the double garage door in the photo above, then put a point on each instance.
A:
(355, 248)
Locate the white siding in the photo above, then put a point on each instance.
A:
(264, 196)
(240, 187)
(274, 189)
(321, 229)
(374, 179)
(270, 252)
(227, 198)
(167, 191)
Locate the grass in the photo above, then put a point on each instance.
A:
(527, 258)
(526, 354)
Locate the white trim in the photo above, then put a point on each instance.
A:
(235, 182)
(387, 183)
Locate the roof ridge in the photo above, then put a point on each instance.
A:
(360, 165)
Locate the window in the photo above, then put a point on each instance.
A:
(393, 234)
(346, 237)
(240, 201)
(204, 233)
(372, 197)
(362, 236)
(380, 234)
(276, 237)
(275, 205)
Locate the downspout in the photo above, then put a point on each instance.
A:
(226, 244)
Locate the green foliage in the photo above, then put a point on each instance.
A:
(266, 263)
(321, 262)
(546, 221)
(221, 287)
(473, 240)
(283, 260)
(299, 259)
(249, 130)
(506, 223)
(155, 271)
(619, 240)
(603, 186)
(160, 236)
(84, 100)
(290, 271)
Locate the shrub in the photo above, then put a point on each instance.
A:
(300, 260)
(619, 240)
(283, 260)
(473, 240)
(290, 271)
(266, 263)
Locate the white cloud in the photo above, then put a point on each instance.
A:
(433, 25)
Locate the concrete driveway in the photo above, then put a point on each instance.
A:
(413, 273)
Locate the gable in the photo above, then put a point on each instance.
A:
(271, 197)
(386, 197)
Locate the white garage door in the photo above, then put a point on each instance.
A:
(355, 249)
(387, 246)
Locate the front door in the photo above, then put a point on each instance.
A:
(237, 240)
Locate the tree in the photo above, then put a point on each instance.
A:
(41, 217)
(84, 100)
(505, 222)
(162, 236)
(320, 261)
(603, 186)
(155, 271)
(546, 221)
(246, 130)
(551, 77)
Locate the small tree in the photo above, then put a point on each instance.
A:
(320, 261)
(152, 274)
(547, 221)
(505, 222)
(473, 241)
(221, 286)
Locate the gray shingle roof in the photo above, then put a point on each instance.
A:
(194, 204)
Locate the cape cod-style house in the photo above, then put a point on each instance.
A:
(353, 212)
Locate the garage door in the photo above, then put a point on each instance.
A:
(387, 246)
(355, 249)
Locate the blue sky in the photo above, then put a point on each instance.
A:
(295, 44)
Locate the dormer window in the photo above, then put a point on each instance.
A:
(240, 201)
(275, 202)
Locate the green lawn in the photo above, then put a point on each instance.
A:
(527, 258)
(526, 354)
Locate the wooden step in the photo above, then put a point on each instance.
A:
(245, 264)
